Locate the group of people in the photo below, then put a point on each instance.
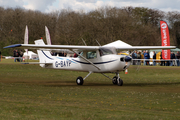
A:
(62, 54)
(174, 61)
(18, 55)
(137, 55)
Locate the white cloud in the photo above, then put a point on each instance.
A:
(87, 1)
(11, 3)
(88, 5)
(164, 5)
(41, 5)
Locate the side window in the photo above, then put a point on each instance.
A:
(91, 55)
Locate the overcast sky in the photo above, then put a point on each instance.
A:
(88, 5)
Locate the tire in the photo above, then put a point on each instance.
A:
(79, 80)
(120, 82)
(114, 81)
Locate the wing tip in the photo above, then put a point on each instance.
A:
(12, 46)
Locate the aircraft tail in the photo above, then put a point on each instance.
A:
(44, 55)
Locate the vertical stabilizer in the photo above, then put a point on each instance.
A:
(44, 56)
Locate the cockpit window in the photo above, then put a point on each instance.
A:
(91, 55)
(81, 53)
(105, 51)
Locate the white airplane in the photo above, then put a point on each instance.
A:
(92, 59)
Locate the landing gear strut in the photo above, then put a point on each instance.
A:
(80, 80)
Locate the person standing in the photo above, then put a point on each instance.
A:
(16, 55)
(0, 56)
(138, 57)
(162, 61)
(172, 59)
(134, 56)
(144, 57)
(21, 55)
(154, 58)
(147, 57)
(178, 58)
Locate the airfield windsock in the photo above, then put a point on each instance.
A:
(165, 39)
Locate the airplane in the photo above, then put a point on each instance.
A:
(92, 59)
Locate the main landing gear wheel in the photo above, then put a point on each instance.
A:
(79, 81)
(120, 83)
(114, 81)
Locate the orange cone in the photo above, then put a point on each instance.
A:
(126, 71)
(23, 59)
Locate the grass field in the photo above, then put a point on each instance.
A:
(31, 92)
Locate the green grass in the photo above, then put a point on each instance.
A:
(31, 92)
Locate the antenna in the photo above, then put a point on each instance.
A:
(84, 42)
(98, 43)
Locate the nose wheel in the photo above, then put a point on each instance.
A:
(120, 83)
(114, 80)
(117, 81)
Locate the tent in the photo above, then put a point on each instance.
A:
(30, 55)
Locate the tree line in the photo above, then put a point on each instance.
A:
(133, 25)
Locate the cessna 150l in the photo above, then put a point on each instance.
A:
(92, 59)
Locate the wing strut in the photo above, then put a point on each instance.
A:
(86, 60)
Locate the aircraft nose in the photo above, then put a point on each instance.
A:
(127, 59)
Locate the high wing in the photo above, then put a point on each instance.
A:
(124, 46)
(52, 47)
(71, 47)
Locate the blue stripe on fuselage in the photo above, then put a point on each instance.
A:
(46, 55)
(94, 63)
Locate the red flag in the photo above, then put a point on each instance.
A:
(165, 39)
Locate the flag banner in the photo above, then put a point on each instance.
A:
(48, 38)
(26, 36)
(165, 39)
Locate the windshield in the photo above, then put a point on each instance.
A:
(106, 51)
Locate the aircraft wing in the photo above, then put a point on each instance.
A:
(117, 44)
(145, 47)
(124, 46)
(53, 47)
